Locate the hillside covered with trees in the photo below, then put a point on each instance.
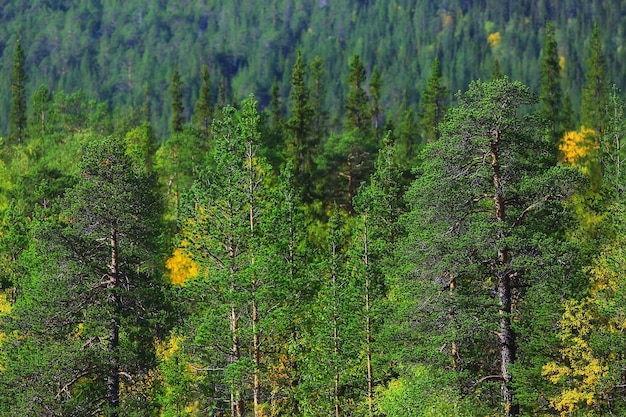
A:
(234, 210)
(116, 52)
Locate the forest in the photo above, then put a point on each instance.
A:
(218, 210)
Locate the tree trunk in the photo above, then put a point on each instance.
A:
(506, 336)
(113, 379)
(335, 334)
(256, 347)
(368, 322)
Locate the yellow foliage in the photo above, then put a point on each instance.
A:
(581, 373)
(561, 63)
(446, 20)
(166, 349)
(181, 267)
(577, 147)
(494, 39)
(5, 304)
(3, 338)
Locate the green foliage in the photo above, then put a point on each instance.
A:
(18, 96)
(421, 392)
(551, 96)
(178, 109)
(478, 225)
(595, 89)
(203, 111)
(72, 302)
(432, 103)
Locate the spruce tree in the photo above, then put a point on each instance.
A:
(433, 103)
(18, 117)
(376, 107)
(299, 126)
(595, 89)
(551, 95)
(358, 115)
(178, 109)
(203, 111)
(318, 94)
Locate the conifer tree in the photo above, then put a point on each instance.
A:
(178, 109)
(375, 94)
(203, 111)
(490, 179)
(41, 109)
(432, 103)
(551, 96)
(300, 147)
(595, 89)
(18, 115)
(358, 115)
(92, 297)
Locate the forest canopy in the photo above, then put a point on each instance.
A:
(225, 210)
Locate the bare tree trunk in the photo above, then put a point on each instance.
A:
(113, 379)
(236, 400)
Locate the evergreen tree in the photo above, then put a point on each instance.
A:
(595, 89)
(178, 110)
(478, 228)
(375, 94)
(317, 97)
(433, 103)
(91, 307)
(551, 96)
(18, 115)
(222, 220)
(203, 112)
(41, 109)
(358, 115)
(300, 147)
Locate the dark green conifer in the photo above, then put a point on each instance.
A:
(595, 90)
(299, 126)
(551, 95)
(18, 96)
(203, 112)
(433, 103)
(357, 102)
(178, 116)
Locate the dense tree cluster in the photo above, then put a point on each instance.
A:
(464, 258)
(111, 51)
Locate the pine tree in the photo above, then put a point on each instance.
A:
(18, 117)
(433, 103)
(223, 217)
(178, 109)
(41, 109)
(551, 96)
(492, 179)
(92, 297)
